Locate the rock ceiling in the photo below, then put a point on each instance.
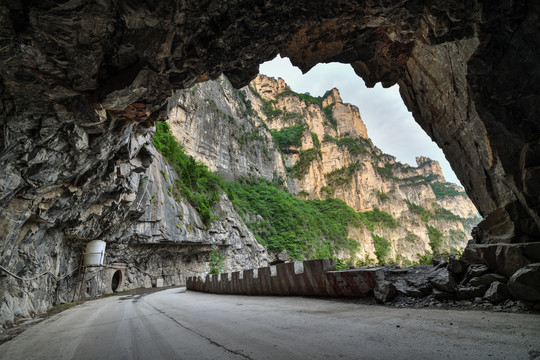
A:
(468, 71)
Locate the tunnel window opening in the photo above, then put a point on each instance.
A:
(116, 280)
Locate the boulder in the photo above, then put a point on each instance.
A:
(525, 283)
(384, 291)
(438, 294)
(457, 266)
(476, 270)
(487, 279)
(497, 292)
(470, 292)
(443, 280)
(404, 288)
(510, 259)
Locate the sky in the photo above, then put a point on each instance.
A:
(390, 125)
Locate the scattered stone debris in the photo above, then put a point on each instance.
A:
(458, 284)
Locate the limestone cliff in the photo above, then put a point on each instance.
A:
(237, 134)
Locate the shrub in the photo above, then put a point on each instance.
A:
(342, 176)
(315, 140)
(270, 111)
(444, 189)
(412, 238)
(330, 191)
(370, 218)
(305, 229)
(308, 99)
(381, 195)
(301, 167)
(385, 171)
(289, 136)
(419, 210)
(382, 248)
(216, 261)
(444, 214)
(328, 113)
(354, 145)
(195, 182)
(435, 239)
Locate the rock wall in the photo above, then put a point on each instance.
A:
(128, 202)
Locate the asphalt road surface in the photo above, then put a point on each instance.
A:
(174, 324)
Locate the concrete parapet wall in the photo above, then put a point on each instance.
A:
(302, 278)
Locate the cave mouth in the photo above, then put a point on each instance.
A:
(116, 280)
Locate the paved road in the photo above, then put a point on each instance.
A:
(174, 324)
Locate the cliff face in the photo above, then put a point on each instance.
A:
(332, 156)
(129, 204)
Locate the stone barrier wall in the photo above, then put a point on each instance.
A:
(301, 278)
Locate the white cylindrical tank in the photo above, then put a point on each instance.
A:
(95, 252)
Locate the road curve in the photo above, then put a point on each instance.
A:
(174, 324)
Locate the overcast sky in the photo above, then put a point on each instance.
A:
(390, 125)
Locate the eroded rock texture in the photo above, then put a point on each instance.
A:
(81, 82)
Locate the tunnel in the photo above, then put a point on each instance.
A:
(79, 82)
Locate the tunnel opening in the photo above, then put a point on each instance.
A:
(116, 280)
(316, 142)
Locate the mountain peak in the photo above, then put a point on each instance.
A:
(269, 87)
(430, 167)
(333, 97)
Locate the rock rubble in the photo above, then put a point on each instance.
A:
(442, 286)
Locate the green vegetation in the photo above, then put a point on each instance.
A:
(444, 214)
(328, 113)
(289, 136)
(355, 146)
(305, 229)
(195, 182)
(469, 223)
(249, 107)
(289, 115)
(301, 167)
(342, 176)
(435, 239)
(412, 238)
(457, 235)
(330, 191)
(385, 171)
(315, 140)
(444, 189)
(419, 210)
(366, 262)
(426, 259)
(308, 99)
(270, 111)
(216, 261)
(328, 138)
(303, 193)
(382, 249)
(381, 195)
(371, 218)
